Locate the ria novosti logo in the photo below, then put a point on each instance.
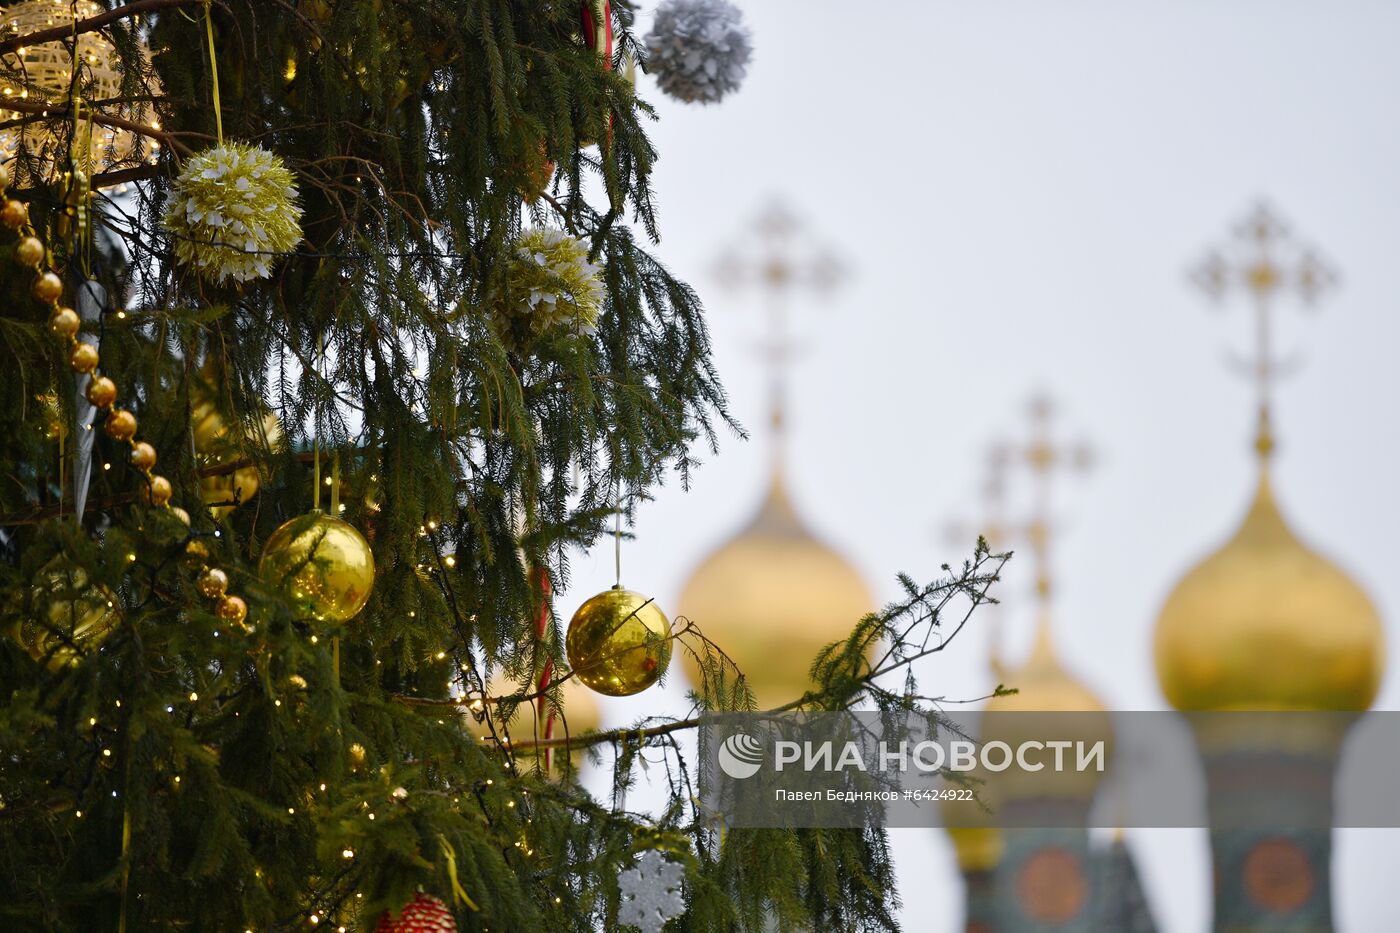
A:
(740, 756)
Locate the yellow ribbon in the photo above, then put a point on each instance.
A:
(459, 896)
(214, 70)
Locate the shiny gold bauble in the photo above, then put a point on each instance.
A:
(4, 177)
(1267, 623)
(64, 323)
(158, 491)
(77, 617)
(83, 358)
(213, 583)
(321, 564)
(215, 444)
(143, 456)
(771, 598)
(14, 214)
(196, 553)
(47, 287)
(619, 642)
(231, 609)
(29, 251)
(120, 425)
(180, 514)
(101, 391)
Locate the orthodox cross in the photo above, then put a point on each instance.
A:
(1263, 259)
(1044, 457)
(1041, 457)
(777, 259)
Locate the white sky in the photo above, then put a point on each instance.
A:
(1018, 189)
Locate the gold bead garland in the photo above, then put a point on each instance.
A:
(120, 425)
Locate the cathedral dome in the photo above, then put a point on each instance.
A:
(1045, 688)
(1267, 623)
(1044, 685)
(772, 597)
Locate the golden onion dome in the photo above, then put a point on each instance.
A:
(1267, 623)
(1043, 684)
(772, 597)
(1045, 688)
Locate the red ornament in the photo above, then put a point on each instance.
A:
(423, 914)
(599, 36)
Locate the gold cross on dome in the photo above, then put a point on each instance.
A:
(777, 259)
(1040, 457)
(1044, 457)
(1264, 260)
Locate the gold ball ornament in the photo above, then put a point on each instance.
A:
(29, 251)
(143, 455)
(75, 617)
(180, 514)
(47, 287)
(120, 425)
(231, 609)
(619, 642)
(14, 214)
(323, 566)
(213, 583)
(101, 391)
(4, 177)
(83, 358)
(196, 553)
(158, 491)
(64, 323)
(215, 444)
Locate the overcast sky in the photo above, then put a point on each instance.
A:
(1018, 190)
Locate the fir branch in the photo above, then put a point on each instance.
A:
(62, 111)
(92, 24)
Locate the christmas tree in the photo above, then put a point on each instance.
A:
(331, 330)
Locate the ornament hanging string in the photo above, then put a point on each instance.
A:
(547, 674)
(459, 894)
(214, 70)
